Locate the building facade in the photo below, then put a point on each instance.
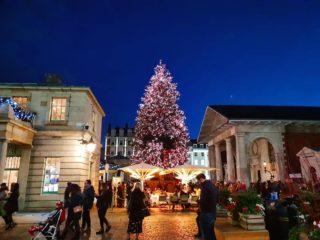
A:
(198, 154)
(251, 142)
(45, 153)
(119, 142)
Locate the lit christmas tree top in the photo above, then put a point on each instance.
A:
(161, 136)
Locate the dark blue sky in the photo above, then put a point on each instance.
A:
(219, 52)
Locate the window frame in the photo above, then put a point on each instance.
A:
(65, 112)
(43, 192)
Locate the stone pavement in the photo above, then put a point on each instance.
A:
(163, 224)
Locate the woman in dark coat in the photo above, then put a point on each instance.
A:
(103, 202)
(136, 205)
(12, 205)
(74, 211)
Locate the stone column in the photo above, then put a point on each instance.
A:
(212, 162)
(23, 175)
(264, 153)
(229, 160)
(3, 157)
(218, 162)
(242, 161)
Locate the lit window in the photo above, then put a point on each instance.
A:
(195, 154)
(195, 162)
(58, 109)
(202, 161)
(11, 170)
(22, 101)
(51, 175)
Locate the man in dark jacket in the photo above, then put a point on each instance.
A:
(207, 204)
(88, 197)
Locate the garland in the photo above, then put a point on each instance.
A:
(19, 112)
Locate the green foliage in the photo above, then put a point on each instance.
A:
(310, 197)
(294, 233)
(312, 233)
(248, 200)
(224, 195)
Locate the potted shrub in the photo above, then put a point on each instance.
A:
(223, 202)
(250, 210)
(309, 224)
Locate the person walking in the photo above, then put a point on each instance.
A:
(120, 196)
(74, 211)
(136, 205)
(104, 201)
(207, 204)
(11, 205)
(3, 198)
(88, 198)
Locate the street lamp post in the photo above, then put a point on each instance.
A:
(267, 171)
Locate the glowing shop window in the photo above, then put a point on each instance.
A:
(51, 175)
(11, 170)
(58, 109)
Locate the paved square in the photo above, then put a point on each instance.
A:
(163, 224)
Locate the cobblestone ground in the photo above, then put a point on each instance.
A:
(161, 225)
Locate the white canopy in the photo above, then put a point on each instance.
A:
(141, 171)
(187, 172)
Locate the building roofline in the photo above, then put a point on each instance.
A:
(34, 86)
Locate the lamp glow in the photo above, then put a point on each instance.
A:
(91, 146)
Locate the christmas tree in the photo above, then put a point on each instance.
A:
(161, 136)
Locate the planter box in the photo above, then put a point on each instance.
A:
(222, 212)
(252, 222)
(232, 221)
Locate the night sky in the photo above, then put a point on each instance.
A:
(219, 52)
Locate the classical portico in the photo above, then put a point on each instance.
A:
(247, 143)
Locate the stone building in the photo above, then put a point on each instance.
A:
(198, 154)
(251, 142)
(119, 142)
(45, 153)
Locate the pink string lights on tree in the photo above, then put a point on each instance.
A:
(161, 136)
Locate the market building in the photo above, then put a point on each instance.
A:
(49, 135)
(252, 142)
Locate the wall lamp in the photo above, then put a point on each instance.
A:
(90, 145)
(267, 171)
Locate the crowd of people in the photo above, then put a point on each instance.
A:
(78, 203)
